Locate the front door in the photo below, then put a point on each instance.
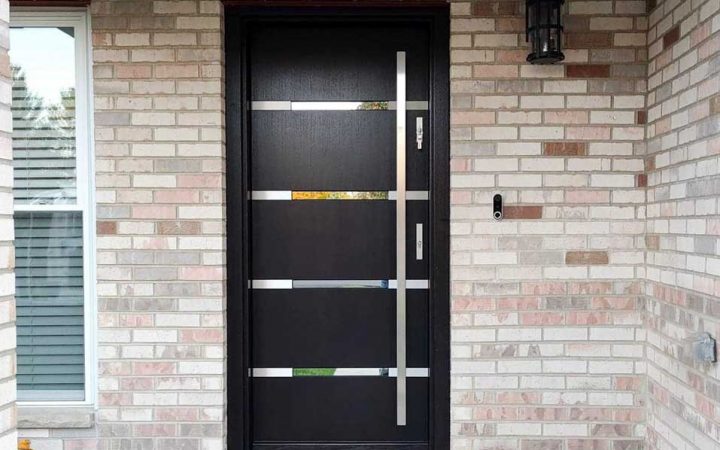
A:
(339, 149)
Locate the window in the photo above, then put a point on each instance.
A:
(53, 205)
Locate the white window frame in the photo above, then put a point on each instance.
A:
(79, 19)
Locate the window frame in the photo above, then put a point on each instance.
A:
(79, 19)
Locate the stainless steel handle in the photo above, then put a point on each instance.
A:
(401, 338)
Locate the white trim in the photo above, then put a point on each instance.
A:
(48, 208)
(85, 182)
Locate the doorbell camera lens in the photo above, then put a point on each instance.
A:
(497, 207)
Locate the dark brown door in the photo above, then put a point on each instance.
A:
(339, 234)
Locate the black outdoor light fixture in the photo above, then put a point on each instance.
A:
(543, 22)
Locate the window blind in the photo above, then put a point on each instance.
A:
(50, 148)
(43, 145)
(49, 293)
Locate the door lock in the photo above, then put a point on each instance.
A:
(419, 132)
(419, 241)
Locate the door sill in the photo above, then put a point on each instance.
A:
(343, 446)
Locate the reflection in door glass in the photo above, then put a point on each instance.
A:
(308, 372)
(43, 108)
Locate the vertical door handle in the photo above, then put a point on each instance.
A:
(400, 231)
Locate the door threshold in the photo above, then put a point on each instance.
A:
(342, 446)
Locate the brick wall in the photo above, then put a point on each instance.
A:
(683, 240)
(8, 435)
(160, 163)
(547, 348)
(548, 341)
(158, 82)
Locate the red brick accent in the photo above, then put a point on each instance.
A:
(587, 70)
(715, 104)
(510, 24)
(576, 23)
(589, 40)
(564, 149)
(586, 258)
(650, 164)
(106, 227)
(179, 227)
(671, 37)
(523, 212)
(484, 8)
(511, 56)
(652, 242)
(641, 117)
(641, 180)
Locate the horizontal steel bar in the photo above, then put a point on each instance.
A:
(336, 195)
(271, 195)
(411, 105)
(330, 284)
(271, 106)
(410, 195)
(289, 372)
(410, 284)
(271, 284)
(339, 106)
(336, 284)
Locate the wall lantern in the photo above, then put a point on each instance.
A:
(544, 31)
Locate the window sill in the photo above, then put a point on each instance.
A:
(55, 417)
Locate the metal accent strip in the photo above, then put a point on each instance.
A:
(401, 320)
(337, 195)
(410, 195)
(337, 284)
(271, 195)
(272, 372)
(339, 106)
(264, 105)
(271, 284)
(333, 284)
(410, 284)
(271, 106)
(290, 372)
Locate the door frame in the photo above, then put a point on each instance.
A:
(237, 153)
